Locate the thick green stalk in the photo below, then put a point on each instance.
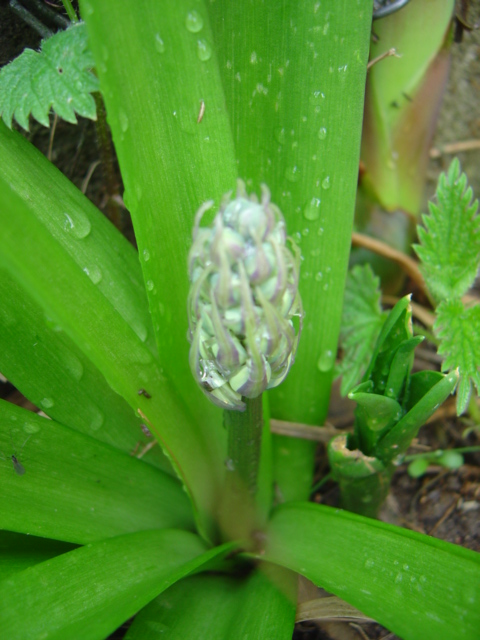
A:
(244, 442)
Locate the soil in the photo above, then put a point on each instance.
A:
(442, 503)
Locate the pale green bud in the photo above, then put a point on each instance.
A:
(243, 300)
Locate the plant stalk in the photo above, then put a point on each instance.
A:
(244, 442)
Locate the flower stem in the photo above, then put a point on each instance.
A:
(244, 442)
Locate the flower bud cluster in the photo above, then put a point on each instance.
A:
(244, 308)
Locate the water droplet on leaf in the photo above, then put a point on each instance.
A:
(194, 21)
(204, 50)
(159, 43)
(312, 209)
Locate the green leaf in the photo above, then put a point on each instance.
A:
(59, 76)
(82, 594)
(362, 319)
(286, 69)
(415, 585)
(46, 258)
(398, 439)
(458, 329)
(261, 605)
(54, 374)
(19, 551)
(77, 489)
(450, 239)
(402, 101)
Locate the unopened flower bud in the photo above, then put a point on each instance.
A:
(244, 308)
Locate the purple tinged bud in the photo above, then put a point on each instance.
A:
(243, 296)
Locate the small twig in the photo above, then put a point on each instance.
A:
(147, 448)
(446, 515)
(304, 431)
(409, 265)
(359, 630)
(382, 56)
(52, 135)
(87, 178)
(455, 147)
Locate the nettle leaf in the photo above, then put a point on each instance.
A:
(450, 241)
(458, 329)
(362, 319)
(58, 76)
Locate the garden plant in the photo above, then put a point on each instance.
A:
(237, 129)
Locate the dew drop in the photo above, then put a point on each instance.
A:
(326, 183)
(279, 134)
(315, 252)
(322, 133)
(326, 360)
(297, 237)
(229, 464)
(292, 174)
(253, 58)
(320, 231)
(316, 97)
(122, 116)
(306, 275)
(159, 43)
(72, 364)
(77, 224)
(47, 403)
(140, 329)
(31, 427)
(93, 273)
(312, 209)
(150, 285)
(398, 578)
(146, 255)
(97, 418)
(305, 232)
(369, 563)
(318, 276)
(194, 21)
(204, 50)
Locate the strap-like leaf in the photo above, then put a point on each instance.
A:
(58, 76)
(221, 607)
(89, 592)
(415, 585)
(71, 487)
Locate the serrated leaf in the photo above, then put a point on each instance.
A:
(449, 246)
(58, 76)
(362, 319)
(459, 331)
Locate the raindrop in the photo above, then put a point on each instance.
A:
(326, 360)
(292, 173)
(305, 275)
(146, 255)
(72, 364)
(280, 135)
(31, 427)
(322, 133)
(316, 97)
(315, 252)
(159, 43)
(326, 183)
(204, 50)
(312, 209)
(297, 237)
(93, 273)
(140, 329)
(318, 276)
(320, 231)
(97, 418)
(122, 116)
(369, 563)
(77, 224)
(305, 232)
(194, 21)
(47, 403)
(229, 464)
(150, 285)
(253, 58)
